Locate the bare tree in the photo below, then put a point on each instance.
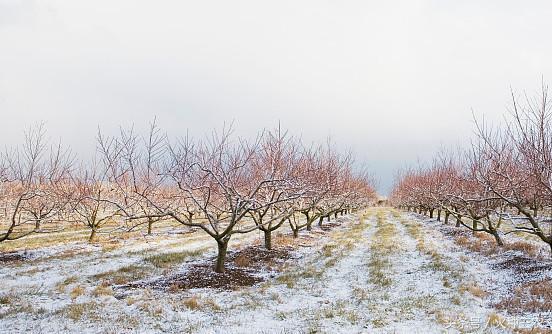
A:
(30, 177)
(277, 160)
(517, 162)
(95, 198)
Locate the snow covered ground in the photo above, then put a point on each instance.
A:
(379, 271)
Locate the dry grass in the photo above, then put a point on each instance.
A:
(242, 260)
(211, 304)
(288, 279)
(483, 243)
(443, 318)
(74, 233)
(6, 299)
(77, 292)
(102, 290)
(383, 243)
(328, 249)
(473, 290)
(533, 297)
(284, 241)
(192, 303)
(343, 241)
(462, 241)
(61, 286)
(123, 275)
(35, 241)
(78, 311)
(167, 260)
(438, 262)
(522, 246)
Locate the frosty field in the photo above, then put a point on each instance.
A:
(375, 271)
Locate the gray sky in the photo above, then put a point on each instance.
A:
(393, 80)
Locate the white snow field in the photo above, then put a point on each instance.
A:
(377, 271)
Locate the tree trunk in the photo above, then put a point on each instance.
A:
(335, 215)
(320, 220)
(431, 213)
(438, 215)
(295, 233)
(37, 225)
(328, 216)
(150, 223)
(92, 235)
(474, 226)
(447, 214)
(458, 220)
(497, 238)
(221, 255)
(268, 239)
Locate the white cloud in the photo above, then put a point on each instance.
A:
(393, 79)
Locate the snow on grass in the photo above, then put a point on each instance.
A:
(380, 271)
(496, 272)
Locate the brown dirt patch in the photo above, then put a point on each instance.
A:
(256, 257)
(12, 257)
(523, 265)
(455, 232)
(329, 226)
(199, 276)
(242, 270)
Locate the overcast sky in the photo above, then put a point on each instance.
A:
(393, 80)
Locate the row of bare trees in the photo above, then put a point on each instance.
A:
(222, 184)
(505, 176)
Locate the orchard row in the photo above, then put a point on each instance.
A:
(220, 184)
(505, 176)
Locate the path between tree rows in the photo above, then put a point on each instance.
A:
(380, 271)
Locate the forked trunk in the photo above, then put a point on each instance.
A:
(497, 238)
(293, 228)
(92, 235)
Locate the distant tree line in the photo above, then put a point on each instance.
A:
(504, 176)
